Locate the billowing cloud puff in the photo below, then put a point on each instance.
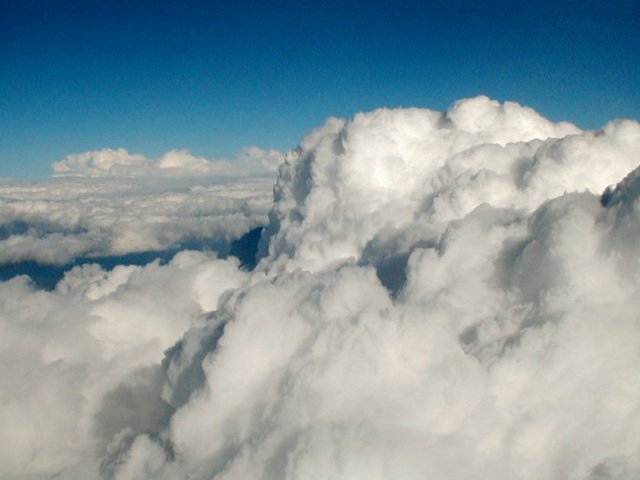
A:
(441, 295)
(80, 363)
(406, 174)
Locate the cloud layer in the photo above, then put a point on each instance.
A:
(440, 295)
(112, 203)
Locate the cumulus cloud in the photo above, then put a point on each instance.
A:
(252, 161)
(111, 203)
(80, 363)
(406, 174)
(440, 295)
(102, 162)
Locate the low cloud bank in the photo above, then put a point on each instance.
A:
(112, 203)
(441, 295)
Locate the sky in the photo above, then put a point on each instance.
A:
(215, 77)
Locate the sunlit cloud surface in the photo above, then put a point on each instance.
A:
(438, 295)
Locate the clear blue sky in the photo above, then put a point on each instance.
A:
(213, 76)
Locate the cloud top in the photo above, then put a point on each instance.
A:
(404, 170)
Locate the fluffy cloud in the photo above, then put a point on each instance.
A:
(444, 295)
(79, 363)
(110, 203)
(404, 175)
(102, 162)
(252, 162)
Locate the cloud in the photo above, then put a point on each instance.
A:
(79, 362)
(110, 203)
(406, 174)
(102, 162)
(252, 161)
(445, 295)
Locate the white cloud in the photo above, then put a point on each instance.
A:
(74, 359)
(102, 162)
(61, 219)
(353, 183)
(444, 295)
(251, 162)
(111, 203)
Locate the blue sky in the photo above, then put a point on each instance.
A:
(212, 77)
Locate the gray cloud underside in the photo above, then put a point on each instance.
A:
(440, 295)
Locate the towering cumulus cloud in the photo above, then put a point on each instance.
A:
(440, 295)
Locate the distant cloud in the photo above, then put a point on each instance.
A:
(251, 162)
(110, 202)
(441, 295)
(102, 162)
